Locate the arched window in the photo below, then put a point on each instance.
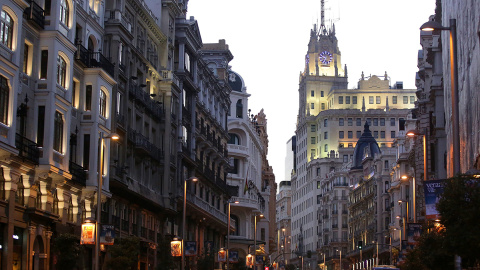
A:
(64, 10)
(239, 111)
(58, 132)
(237, 227)
(6, 29)
(234, 139)
(103, 103)
(4, 96)
(61, 71)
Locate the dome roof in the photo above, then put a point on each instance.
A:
(366, 146)
(235, 81)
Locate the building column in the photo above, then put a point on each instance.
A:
(12, 176)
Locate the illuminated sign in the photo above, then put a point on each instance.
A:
(88, 234)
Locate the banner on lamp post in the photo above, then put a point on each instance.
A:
(88, 234)
(107, 235)
(190, 248)
(233, 256)
(433, 190)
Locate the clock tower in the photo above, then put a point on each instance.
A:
(323, 72)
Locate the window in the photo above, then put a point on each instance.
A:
(378, 100)
(392, 134)
(312, 153)
(375, 134)
(6, 30)
(318, 172)
(312, 93)
(234, 165)
(382, 134)
(394, 99)
(26, 50)
(340, 122)
(345, 158)
(319, 185)
(321, 93)
(4, 98)
(347, 100)
(354, 99)
(239, 109)
(392, 122)
(405, 99)
(412, 99)
(325, 135)
(313, 128)
(340, 135)
(375, 121)
(41, 125)
(359, 134)
(312, 106)
(350, 134)
(370, 100)
(382, 122)
(340, 100)
(369, 121)
(187, 62)
(312, 140)
(325, 149)
(58, 132)
(234, 139)
(61, 71)
(325, 123)
(88, 98)
(43, 64)
(323, 106)
(350, 121)
(359, 122)
(103, 103)
(64, 12)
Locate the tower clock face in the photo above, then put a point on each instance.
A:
(307, 59)
(325, 57)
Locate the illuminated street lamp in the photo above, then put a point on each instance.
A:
(193, 179)
(431, 26)
(228, 232)
(255, 236)
(414, 195)
(101, 140)
(340, 258)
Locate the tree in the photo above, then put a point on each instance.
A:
(460, 214)
(123, 255)
(67, 248)
(431, 252)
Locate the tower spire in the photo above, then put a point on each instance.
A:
(322, 29)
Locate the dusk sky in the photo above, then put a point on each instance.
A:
(269, 39)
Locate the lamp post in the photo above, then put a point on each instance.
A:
(414, 194)
(101, 139)
(255, 237)
(404, 235)
(184, 220)
(430, 26)
(340, 258)
(284, 243)
(228, 232)
(404, 201)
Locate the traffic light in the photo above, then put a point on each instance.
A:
(360, 244)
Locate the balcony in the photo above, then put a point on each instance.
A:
(35, 14)
(93, 59)
(79, 175)
(27, 149)
(116, 222)
(199, 203)
(142, 143)
(144, 98)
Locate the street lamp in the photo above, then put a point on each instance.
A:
(414, 194)
(193, 179)
(228, 231)
(101, 139)
(255, 237)
(404, 235)
(404, 201)
(430, 26)
(340, 258)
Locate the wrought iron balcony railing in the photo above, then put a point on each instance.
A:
(79, 175)
(27, 149)
(35, 13)
(93, 59)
